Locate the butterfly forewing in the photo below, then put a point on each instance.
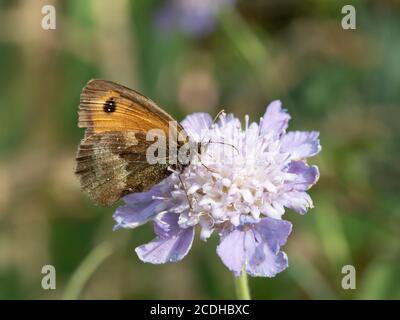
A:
(107, 106)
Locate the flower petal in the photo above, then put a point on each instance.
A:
(299, 201)
(274, 210)
(256, 247)
(232, 251)
(306, 176)
(274, 232)
(196, 123)
(275, 118)
(140, 207)
(262, 262)
(143, 206)
(301, 144)
(171, 244)
(268, 236)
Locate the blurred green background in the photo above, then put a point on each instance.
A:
(344, 83)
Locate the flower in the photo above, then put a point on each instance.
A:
(237, 187)
(193, 17)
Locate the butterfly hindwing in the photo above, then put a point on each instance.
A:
(114, 164)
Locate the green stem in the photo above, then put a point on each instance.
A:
(85, 270)
(242, 287)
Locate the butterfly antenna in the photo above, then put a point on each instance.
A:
(228, 144)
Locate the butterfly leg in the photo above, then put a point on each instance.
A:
(186, 193)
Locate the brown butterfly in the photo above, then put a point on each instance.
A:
(111, 160)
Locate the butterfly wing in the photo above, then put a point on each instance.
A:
(108, 106)
(111, 160)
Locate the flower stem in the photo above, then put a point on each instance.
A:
(85, 270)
(242, 287)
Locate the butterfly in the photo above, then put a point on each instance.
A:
(111, 159)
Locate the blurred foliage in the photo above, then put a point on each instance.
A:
(344, 83)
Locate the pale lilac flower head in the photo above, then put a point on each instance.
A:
(238, 189)
(193, 17)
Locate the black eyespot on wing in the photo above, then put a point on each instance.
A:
(109, 106)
